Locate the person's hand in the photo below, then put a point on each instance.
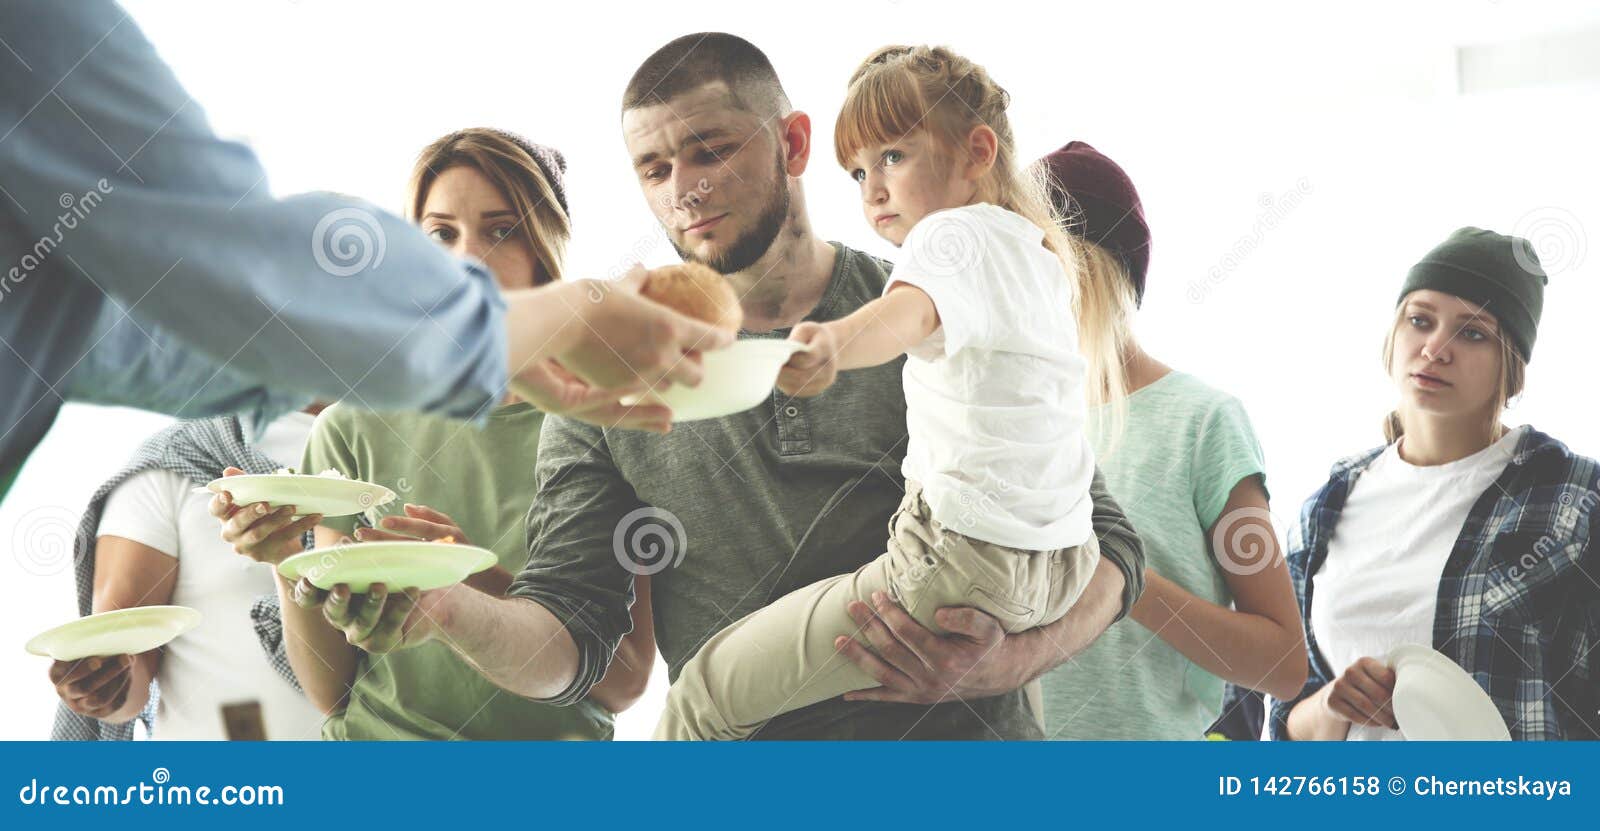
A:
(424, 523)
(548, 386)
(625, 340)
(258, 531)
(813, 369)
(93, 687)
(377, 621)
(419, 523)
(1362, 694)
(914, 665)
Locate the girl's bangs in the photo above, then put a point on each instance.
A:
(881, 107)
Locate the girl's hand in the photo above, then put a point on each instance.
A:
(1362, 694)
(420, 523)
(810, 372)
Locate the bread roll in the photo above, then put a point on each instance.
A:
(697, 291)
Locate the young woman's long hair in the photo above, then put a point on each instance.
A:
(518, 176)
(1513, 372)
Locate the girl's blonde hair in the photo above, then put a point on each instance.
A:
(1512, 371)
(540, 219)
(901, 89)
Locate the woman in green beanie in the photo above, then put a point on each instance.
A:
(1461, 534)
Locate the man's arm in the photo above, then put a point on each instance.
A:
(977, 658)
(629, 675)
(581, 591)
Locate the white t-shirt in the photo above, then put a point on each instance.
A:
(994, 398)
(1379, 587)
(220, 661)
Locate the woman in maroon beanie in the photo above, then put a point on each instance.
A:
(1181, 456)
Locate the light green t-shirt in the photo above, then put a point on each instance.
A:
(483, 479)
(1184, 447)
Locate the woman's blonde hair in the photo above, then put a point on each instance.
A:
(1106, 303)
(540, 218)
(902, 89)
(1512, 371)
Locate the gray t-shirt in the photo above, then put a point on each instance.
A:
(768, 500)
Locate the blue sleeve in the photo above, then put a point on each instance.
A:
(319, 295)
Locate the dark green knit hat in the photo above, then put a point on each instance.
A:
(1498, 272)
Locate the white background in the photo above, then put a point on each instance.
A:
(1220, 112)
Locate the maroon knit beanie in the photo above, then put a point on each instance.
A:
(1100, 205)
(550, 161)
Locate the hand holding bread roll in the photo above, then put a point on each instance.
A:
(695, 290)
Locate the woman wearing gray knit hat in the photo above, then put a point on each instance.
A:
(498, 198)
(1461, 540)
(1183, 458)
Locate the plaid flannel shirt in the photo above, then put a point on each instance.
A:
(1519, 598)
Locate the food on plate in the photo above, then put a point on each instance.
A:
(330, 473)
(697, 291)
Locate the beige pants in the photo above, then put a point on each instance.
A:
(782, 658)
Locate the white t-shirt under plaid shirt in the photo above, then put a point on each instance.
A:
(994, 397)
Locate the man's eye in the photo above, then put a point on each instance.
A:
(655, 173)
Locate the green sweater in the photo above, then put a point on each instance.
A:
(483, 479)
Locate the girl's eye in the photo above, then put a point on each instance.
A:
(1418, 321)
(503, 233)
(893, 157)
(859, 175)
(442, 234)
(1474, 335)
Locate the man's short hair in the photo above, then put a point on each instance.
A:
(695, 60)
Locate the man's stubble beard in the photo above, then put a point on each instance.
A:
(766, 292)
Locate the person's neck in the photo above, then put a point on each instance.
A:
(785, 284)
(1431, 440)
(1142, 369)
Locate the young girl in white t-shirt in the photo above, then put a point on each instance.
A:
(997, 509)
